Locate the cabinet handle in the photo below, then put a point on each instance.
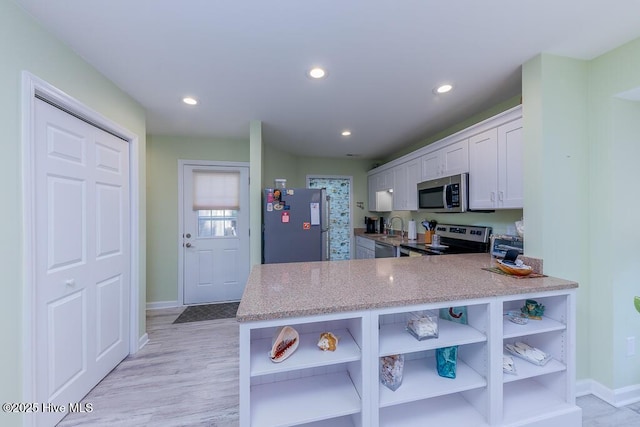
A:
(501, 196)
(493, 196)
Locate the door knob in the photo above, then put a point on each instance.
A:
(188, 245)
(188, 236)
(70, 282)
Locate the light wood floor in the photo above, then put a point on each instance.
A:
(187, 375)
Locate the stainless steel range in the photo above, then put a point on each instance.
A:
(454, 239)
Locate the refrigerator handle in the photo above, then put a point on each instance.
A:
(327, 214)
(326, 227)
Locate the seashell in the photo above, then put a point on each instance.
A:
(284, 344)
(508, 365)
(328, 341)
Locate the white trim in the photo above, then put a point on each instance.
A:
(181, 164)
(350, 178)
(142, 341)
(616, 397)
(157, 305)
(32, 85)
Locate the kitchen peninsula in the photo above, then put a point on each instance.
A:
(366, 304)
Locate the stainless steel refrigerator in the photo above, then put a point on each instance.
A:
(295, 225)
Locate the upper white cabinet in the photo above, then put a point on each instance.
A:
(379, 184)
(491, 152)
(449, 160)
(405, 186)
(495, 168)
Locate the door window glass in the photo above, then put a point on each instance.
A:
(217, 223)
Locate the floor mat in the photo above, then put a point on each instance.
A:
(196, 313)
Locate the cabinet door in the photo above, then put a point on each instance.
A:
(483, 170)
(449, 160)
(400, 187)
(510, 163)
(413, 178)
(455, 158)
(431, 165)
(371, 187)
(369, 254)
(385, 180)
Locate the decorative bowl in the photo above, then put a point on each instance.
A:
(514, 270)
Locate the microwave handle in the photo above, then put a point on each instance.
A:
(444, 196)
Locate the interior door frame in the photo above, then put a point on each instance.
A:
(32, 86)
(181, 164)
(350, 178)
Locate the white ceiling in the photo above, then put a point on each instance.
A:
(247, 60)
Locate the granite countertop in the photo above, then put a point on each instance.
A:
(276, 291)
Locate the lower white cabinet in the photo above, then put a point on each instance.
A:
(342, 388)
(365, 248)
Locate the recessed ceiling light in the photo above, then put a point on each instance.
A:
(443, 88)
(317, 73)
(189, 100)
(346, 133)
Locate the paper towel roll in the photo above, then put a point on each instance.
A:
(412, 233)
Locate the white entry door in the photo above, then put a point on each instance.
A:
(215, 241)
(82, 240)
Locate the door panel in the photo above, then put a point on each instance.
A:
(67, 355)
(109, 314)
(109, 220)
(66, 222)
(82, 235)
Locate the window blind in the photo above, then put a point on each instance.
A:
(216, 190)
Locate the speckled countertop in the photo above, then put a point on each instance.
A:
(276, 291)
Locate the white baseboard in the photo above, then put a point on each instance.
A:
(161, 304)
(142, 341)
(619, 397)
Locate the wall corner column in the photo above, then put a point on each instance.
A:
(255, 189)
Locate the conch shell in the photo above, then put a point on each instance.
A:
(328, 341)
(284, 344)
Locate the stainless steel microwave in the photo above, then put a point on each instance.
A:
(444, 195)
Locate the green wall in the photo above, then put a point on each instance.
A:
(582, 148)
(614, 142)
(163, 153)
(556, 173)
(24, 45)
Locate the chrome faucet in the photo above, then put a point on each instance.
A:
(401, 225)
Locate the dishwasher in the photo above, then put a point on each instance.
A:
(383, 250)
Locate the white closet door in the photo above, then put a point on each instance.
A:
(82, 240)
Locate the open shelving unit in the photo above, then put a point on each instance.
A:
(544, 392)
(421, 384)
(311, 387)
(342, 388)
